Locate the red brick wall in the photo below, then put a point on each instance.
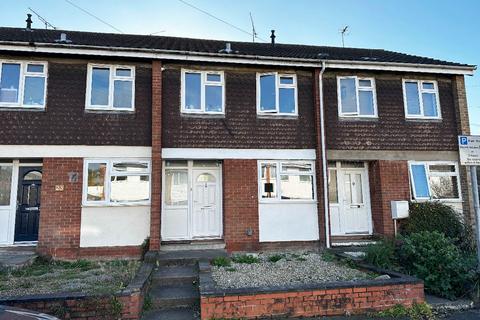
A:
(87, 308)
(318, 162)
(240, 204)
(60, 213)
(329, 302)
(388, 181)
(156, 200)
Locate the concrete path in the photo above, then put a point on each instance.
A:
(16, 257)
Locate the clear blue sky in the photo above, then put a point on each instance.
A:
(441, 29)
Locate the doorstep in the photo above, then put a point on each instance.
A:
(192, 245)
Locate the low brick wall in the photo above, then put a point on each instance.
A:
(326, 299)
(126, 304)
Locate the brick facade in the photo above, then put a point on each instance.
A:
(156, 194)
(240, 127)
(391, 130)
(311, 303)
(60, 213)
(389, 181)
(240, 205)
(65, 120)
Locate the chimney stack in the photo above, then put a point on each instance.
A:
(273, 37)
(29, 22)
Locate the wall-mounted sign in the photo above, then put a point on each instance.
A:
(73, 177)
(469, 147)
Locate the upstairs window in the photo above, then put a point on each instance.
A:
(23, 84)
(203, 92)
(116, 182)
(111, 88)
(277, 94)
(421, 99)
(356, 97)
(435, 180)
(286, 181)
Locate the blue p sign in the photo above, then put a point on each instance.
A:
(463, 141)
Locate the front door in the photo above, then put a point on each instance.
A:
(192, 200)
(350, 213)
(205, 207)
(28, 203)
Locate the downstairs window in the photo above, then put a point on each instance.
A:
(116, 182)
(435, 180)
(286, 180)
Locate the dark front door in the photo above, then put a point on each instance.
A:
(28, 203)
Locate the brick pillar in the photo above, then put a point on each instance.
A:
(318, 162)
(240, 205)
(463, 128)
(155, 214)
(60, 213)
(388, 181)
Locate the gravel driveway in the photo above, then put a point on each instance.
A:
(292, 269)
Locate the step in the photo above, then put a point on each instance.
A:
(192, 245)
(174, 296)
(172, 314)
(187, 257)
(175, 275)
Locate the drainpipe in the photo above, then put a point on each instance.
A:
(324, 159)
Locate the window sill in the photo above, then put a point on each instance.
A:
(277, 116)
(439, 200)
(414, 119)
(110, 111)
(20, 108)
(287, 201)
(115, 205)
(357, 118)
(203, 115)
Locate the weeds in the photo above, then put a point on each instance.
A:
(276, 257)
(248, 259)
(221, 262)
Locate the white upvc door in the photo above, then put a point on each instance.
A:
(8, 201)
(206, 204)
(192, 203)
(351, 214)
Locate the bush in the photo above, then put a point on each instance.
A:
(434, 258)
(381, 254)
(246, 258)
(221, 262)
(436, 216)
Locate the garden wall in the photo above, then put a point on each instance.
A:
(326, 299)
(126, 304)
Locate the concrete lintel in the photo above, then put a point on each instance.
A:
(392, 155)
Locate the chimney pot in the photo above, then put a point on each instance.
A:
(273, 37)
(29, 21)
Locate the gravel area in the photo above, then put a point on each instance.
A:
(82, 276)
(280, 269)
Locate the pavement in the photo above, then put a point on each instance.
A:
(17, 257)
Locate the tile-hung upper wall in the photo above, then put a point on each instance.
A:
(391, 130)
(240, 127)
(65, 120)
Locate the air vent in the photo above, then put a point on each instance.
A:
(227, 49)
(63, 38)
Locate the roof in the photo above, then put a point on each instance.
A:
(204, 46)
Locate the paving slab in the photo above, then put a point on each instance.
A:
(17, 257)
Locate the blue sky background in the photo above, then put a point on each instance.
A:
(442, 29)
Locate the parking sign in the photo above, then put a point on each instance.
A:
(469, 148)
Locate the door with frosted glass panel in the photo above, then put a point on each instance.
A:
(355, 207)
(206, 204)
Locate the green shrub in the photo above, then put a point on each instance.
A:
(436, 216)
(245, 258)
(418, 311)
(381, 254)
(276, 257)
(434, 258)
(221, 262)
(328, 256)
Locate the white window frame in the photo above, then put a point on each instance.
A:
(278, 85)
(357, 92)
(112, 70)
(279, 173)
(21, 85)
(426, 165)
(420, 99)
(203, 85)
(110, 171)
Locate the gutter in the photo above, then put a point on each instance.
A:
(230, 58)
(324, 158)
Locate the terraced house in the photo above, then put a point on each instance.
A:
(109, 139)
